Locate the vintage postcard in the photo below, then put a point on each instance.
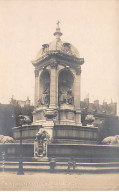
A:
(59, 95)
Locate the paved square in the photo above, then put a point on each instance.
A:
(58, 182)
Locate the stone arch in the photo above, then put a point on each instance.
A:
(65, 85)
(67, 69)
(44, 83)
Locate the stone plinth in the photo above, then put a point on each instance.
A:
(84, 153)
(28, 132)
(66, 115)
(75, 134)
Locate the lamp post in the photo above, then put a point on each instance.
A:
(22, 119)
(20, 169)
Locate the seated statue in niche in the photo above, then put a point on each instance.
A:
(62, 97)
(66, 97)
(70, 99)
(45, 98)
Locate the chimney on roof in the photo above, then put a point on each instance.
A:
(104, 103)
(96, 102)
(86, 101)
(27, 101)
(113, 107)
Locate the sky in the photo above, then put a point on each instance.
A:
(91, 26)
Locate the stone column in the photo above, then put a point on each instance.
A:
(36, 86)
(53, 84)
(77, 93)
(50, 113)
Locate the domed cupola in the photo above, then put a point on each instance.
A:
(58, 46)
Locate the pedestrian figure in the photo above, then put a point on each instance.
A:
(71, 164)
(52, 164)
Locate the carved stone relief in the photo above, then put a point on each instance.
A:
(66, 97)
(45, 98)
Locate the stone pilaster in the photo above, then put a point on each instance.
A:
(53, 84)
(49, 126)
(77, 94)
(36, 86)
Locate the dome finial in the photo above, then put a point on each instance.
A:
(58, 33)
(58, 23)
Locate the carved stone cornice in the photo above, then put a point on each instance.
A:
(36, 72)
(60, 55)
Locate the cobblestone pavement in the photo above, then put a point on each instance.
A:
(58, 182)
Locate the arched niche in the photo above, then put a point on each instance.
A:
(65, 87)
(44, 87)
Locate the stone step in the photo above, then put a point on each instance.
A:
(57, 167)
(62, 159)
(45, 163)
(25, 163)
(61, 167)
(79, 169)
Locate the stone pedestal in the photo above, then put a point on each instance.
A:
(67, 115)
(50, 114)
(78, 117)
(49, 127)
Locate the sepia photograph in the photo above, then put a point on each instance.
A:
(59, 95)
